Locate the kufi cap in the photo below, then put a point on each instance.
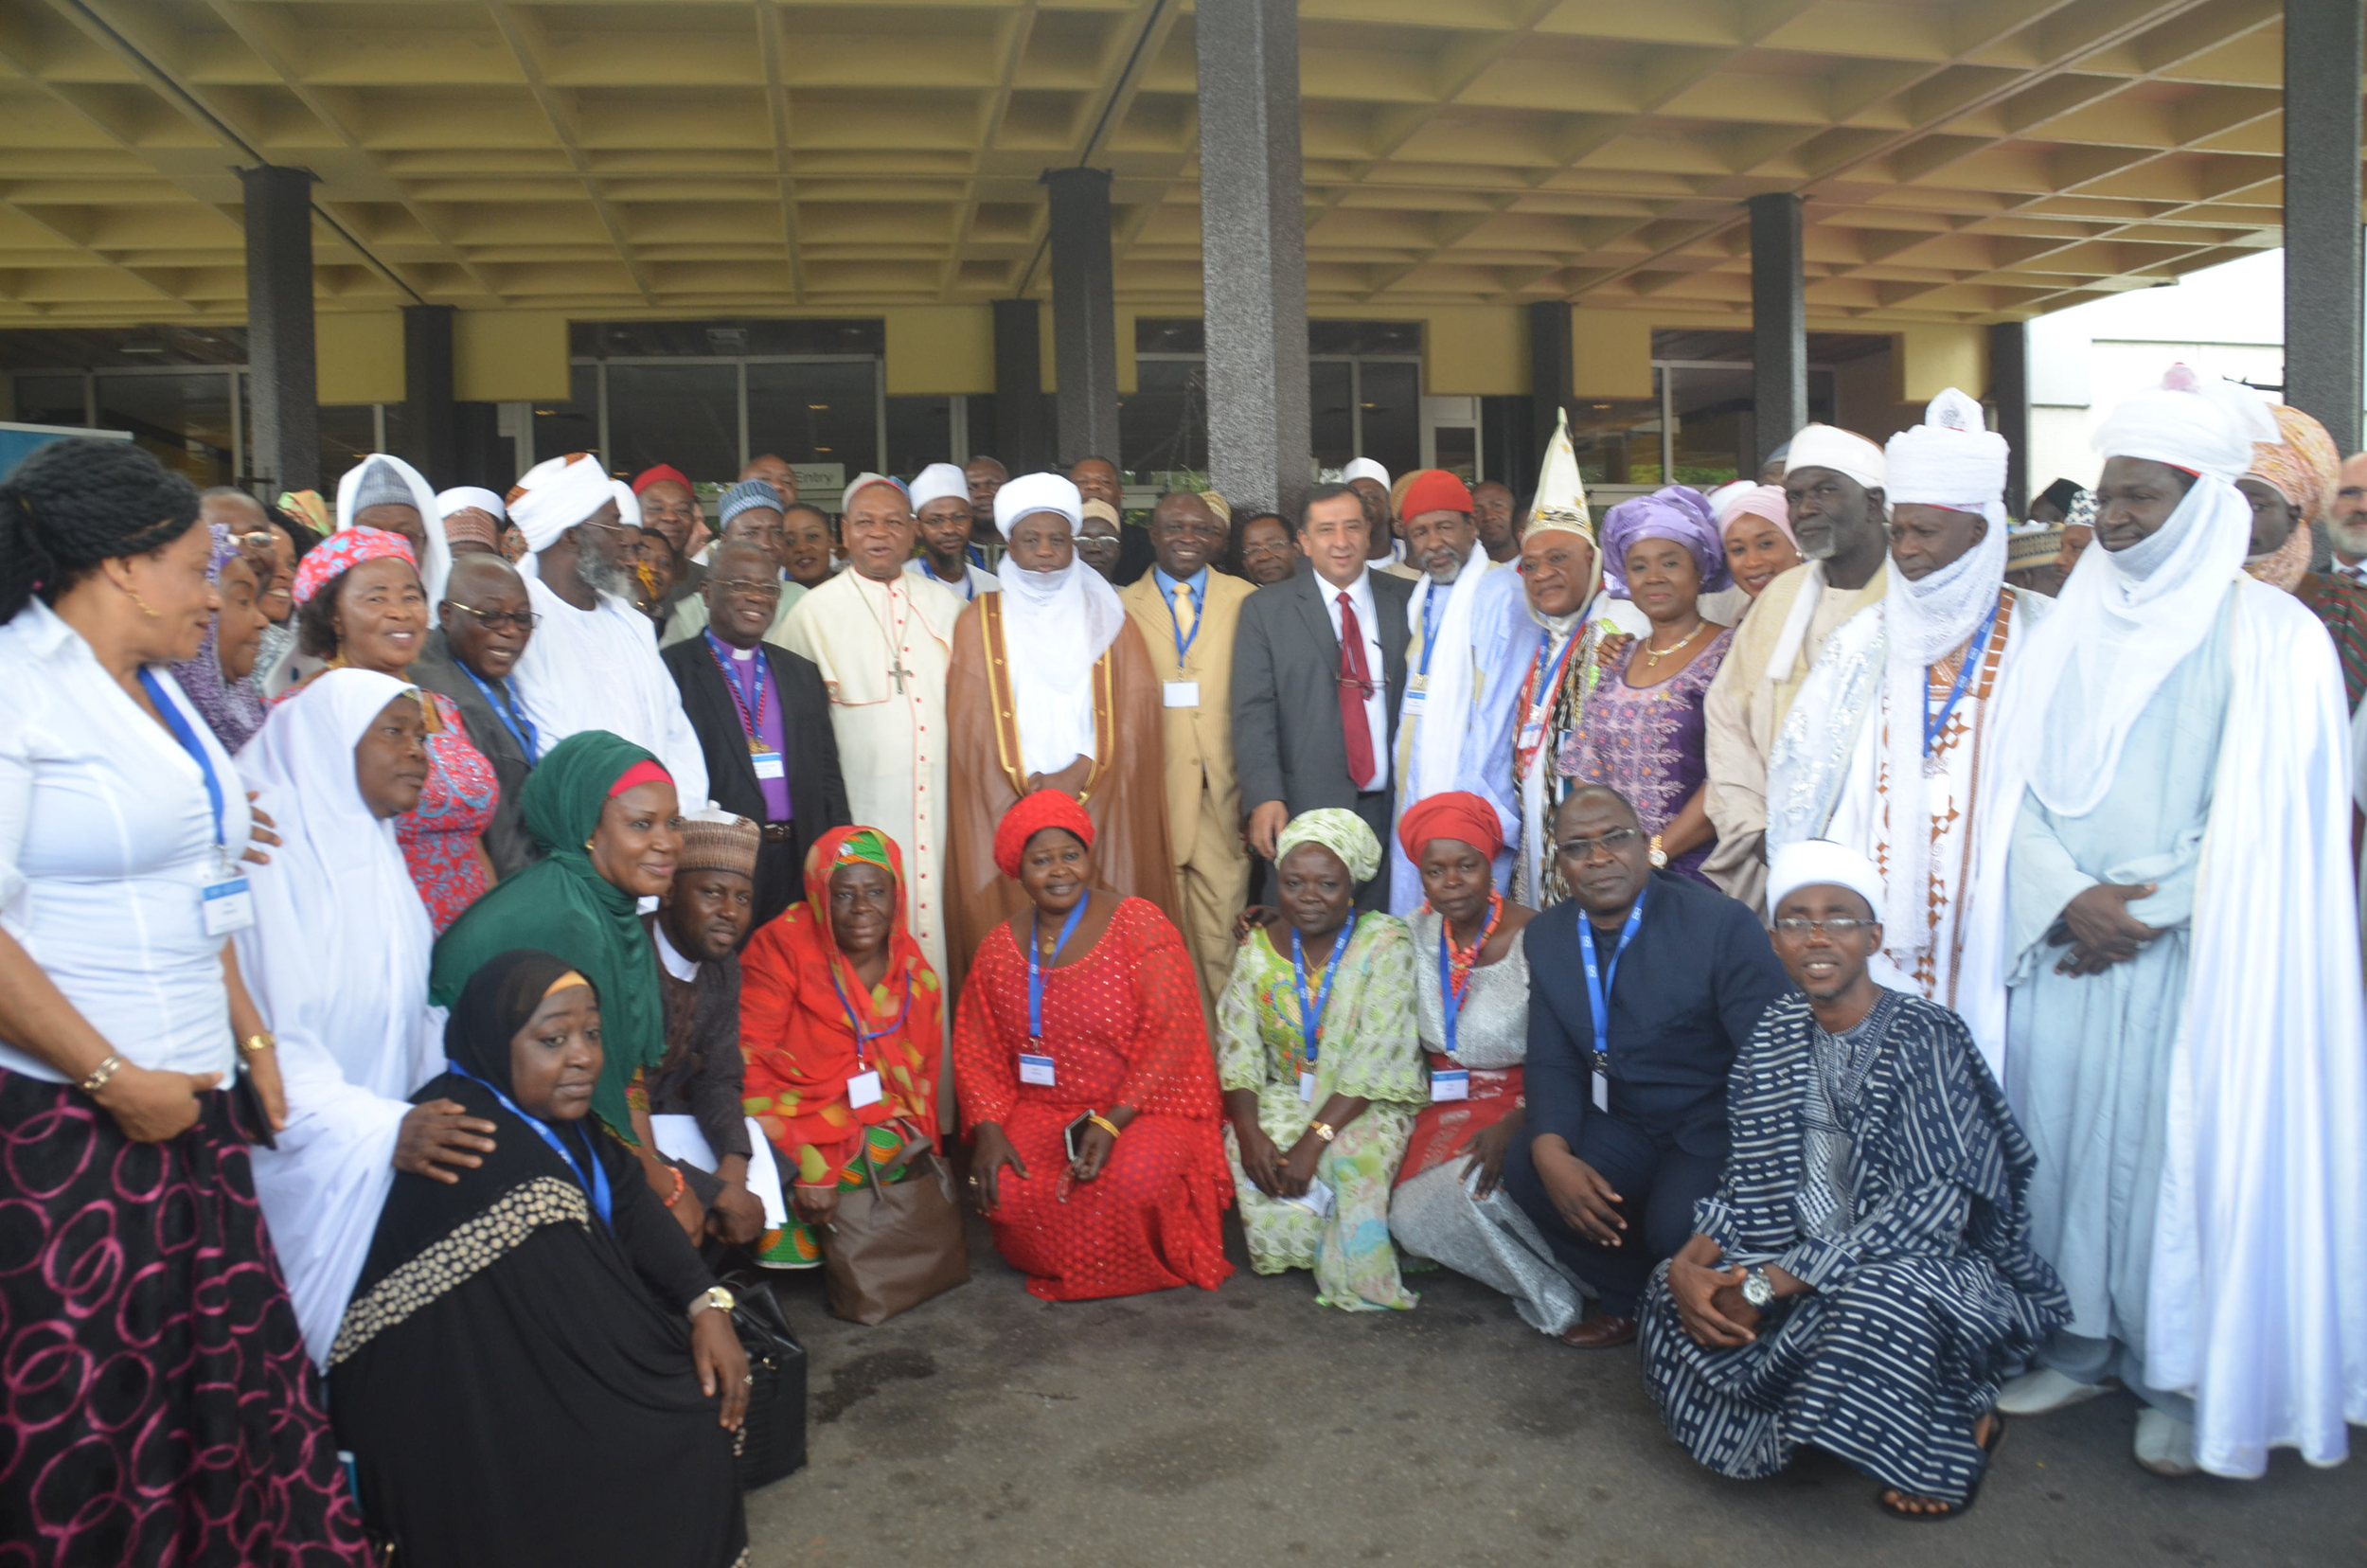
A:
(463, 498)
(940, 482)
(2032, 544)
(1364, 468)
(1819, 862)
(747, 494)
(716, 840)
(1219, 505)
(380, 486)
(1098, 509)
(1842, 451)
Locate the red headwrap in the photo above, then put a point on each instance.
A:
(643, 771)
(1031, 815)
(664, 471)
(1434, 489)
(340, 553)
(1457, 814)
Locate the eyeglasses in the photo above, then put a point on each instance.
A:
(262, 539)
(1278, 547)
(753, 587)
(1847, 925)
(1615, 840)
(498, 620)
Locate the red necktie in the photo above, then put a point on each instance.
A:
(1356, 684)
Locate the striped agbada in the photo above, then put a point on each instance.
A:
(1882, 1169)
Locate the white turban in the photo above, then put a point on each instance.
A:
(1951, 459)
(466, 496)
(1037, 493)
(939, 481)
(553, 496)
(1821, 863)
(2199, 426)
(1364, 468)
(1842, 451)
(628, 503)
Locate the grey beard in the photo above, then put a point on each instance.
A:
(2350, 538)
(604, 576)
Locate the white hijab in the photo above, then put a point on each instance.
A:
(1055, 625)
(337, 963)
(436, 562)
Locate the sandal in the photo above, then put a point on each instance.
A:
(1894, 1501)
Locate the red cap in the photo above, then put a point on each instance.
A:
(1434, 489)
(664, 471)
(1031, 815)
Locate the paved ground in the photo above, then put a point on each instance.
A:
(1247, 1426)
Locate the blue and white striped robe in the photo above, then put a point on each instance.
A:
(1918, 1308)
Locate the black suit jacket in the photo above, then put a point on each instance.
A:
(1287, 743)
(506, 844)
(1689, 991)
(817, 792)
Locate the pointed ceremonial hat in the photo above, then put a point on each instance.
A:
(1560, 494)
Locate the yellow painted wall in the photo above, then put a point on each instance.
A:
(938, 351)
(1610, 354)
(357, 357)
(1932, 359)
(1475, 352)
(506, 356)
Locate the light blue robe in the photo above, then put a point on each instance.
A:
(2088, 1059)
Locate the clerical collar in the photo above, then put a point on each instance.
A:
(681, 968)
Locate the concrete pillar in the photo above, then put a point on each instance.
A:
(1084, 314)
(1553, 377)
(2009, 389)
(282, 387)
(1779, 320)
(431, 419)
(1252, 245)
(2325, 40)
(1022, 443)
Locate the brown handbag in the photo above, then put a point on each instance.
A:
(890, 1247)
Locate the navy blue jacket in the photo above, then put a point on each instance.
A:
(1688, 993)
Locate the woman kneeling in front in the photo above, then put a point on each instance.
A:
(535, 1341)
(1081, 1059)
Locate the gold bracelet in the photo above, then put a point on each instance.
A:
(1324, 1131)
(1104, 1123)
(100, 1074)
(255, 1044)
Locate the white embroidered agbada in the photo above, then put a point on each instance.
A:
(884, 649)
(1889, 741)
(2226, 1065)
(337, 962)
(596, 668)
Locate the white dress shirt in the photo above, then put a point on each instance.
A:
(106, 843)
(2355, 571)
(1375, 705)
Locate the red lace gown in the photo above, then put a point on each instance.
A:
(1123, 1026)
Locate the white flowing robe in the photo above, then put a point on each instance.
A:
(891, 741)
(1454, 726)
(599, 670)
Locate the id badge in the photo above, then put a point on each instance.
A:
(1414, 695)
(863, 1089)
(1307, 1087)
(1602, 1091)
(768, 764)
(229, 906)
(1035, 1069)
(1450, 1083)
(1184, 694)
(1532, 735)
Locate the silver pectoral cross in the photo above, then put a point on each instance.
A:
(898, 670)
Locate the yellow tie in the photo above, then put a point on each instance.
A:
(1186, 617)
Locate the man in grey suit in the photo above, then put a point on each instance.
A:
(1318, 671)
(486, 623)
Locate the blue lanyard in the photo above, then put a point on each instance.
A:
(1182, 643)
(189, 742)
(970, 589)
(1550, 682)
(862, 1035)
(750, 708)
(1598, 983)
(1035, 963)
(597, 1185)
(1430, 634)
(1932, 728)
(516, 723)
(1311, 1014)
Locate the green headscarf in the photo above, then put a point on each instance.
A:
(565, 907)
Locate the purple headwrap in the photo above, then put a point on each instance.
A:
(1678, 512)
(232, 709)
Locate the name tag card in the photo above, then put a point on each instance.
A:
(768, 763)
(1307, 1087)
(1035, 1069)
(1184, 694)
(1602, 1091)
(229, 905)
(863, 1089)
(1450, 1083)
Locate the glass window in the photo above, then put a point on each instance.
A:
(1169, 335)
(49, 399)
(183, 418)
(920, 432)
(818, 411)
(349, 433)
(1711, 426)
(725, 339)
(982, 427)
(1364, 337)
(686, 414)
(1163, 427)
(1617, 443)
(561, 428)
(1330, 416)
(1392, 399)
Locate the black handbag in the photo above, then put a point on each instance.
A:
(772, 1439)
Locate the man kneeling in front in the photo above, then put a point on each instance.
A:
(1863, 1278)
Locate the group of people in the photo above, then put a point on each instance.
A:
(441, 936)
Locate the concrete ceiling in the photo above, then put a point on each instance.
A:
(1964, 160)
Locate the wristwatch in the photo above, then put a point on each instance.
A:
(716, 1297)
(1758, 1290)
